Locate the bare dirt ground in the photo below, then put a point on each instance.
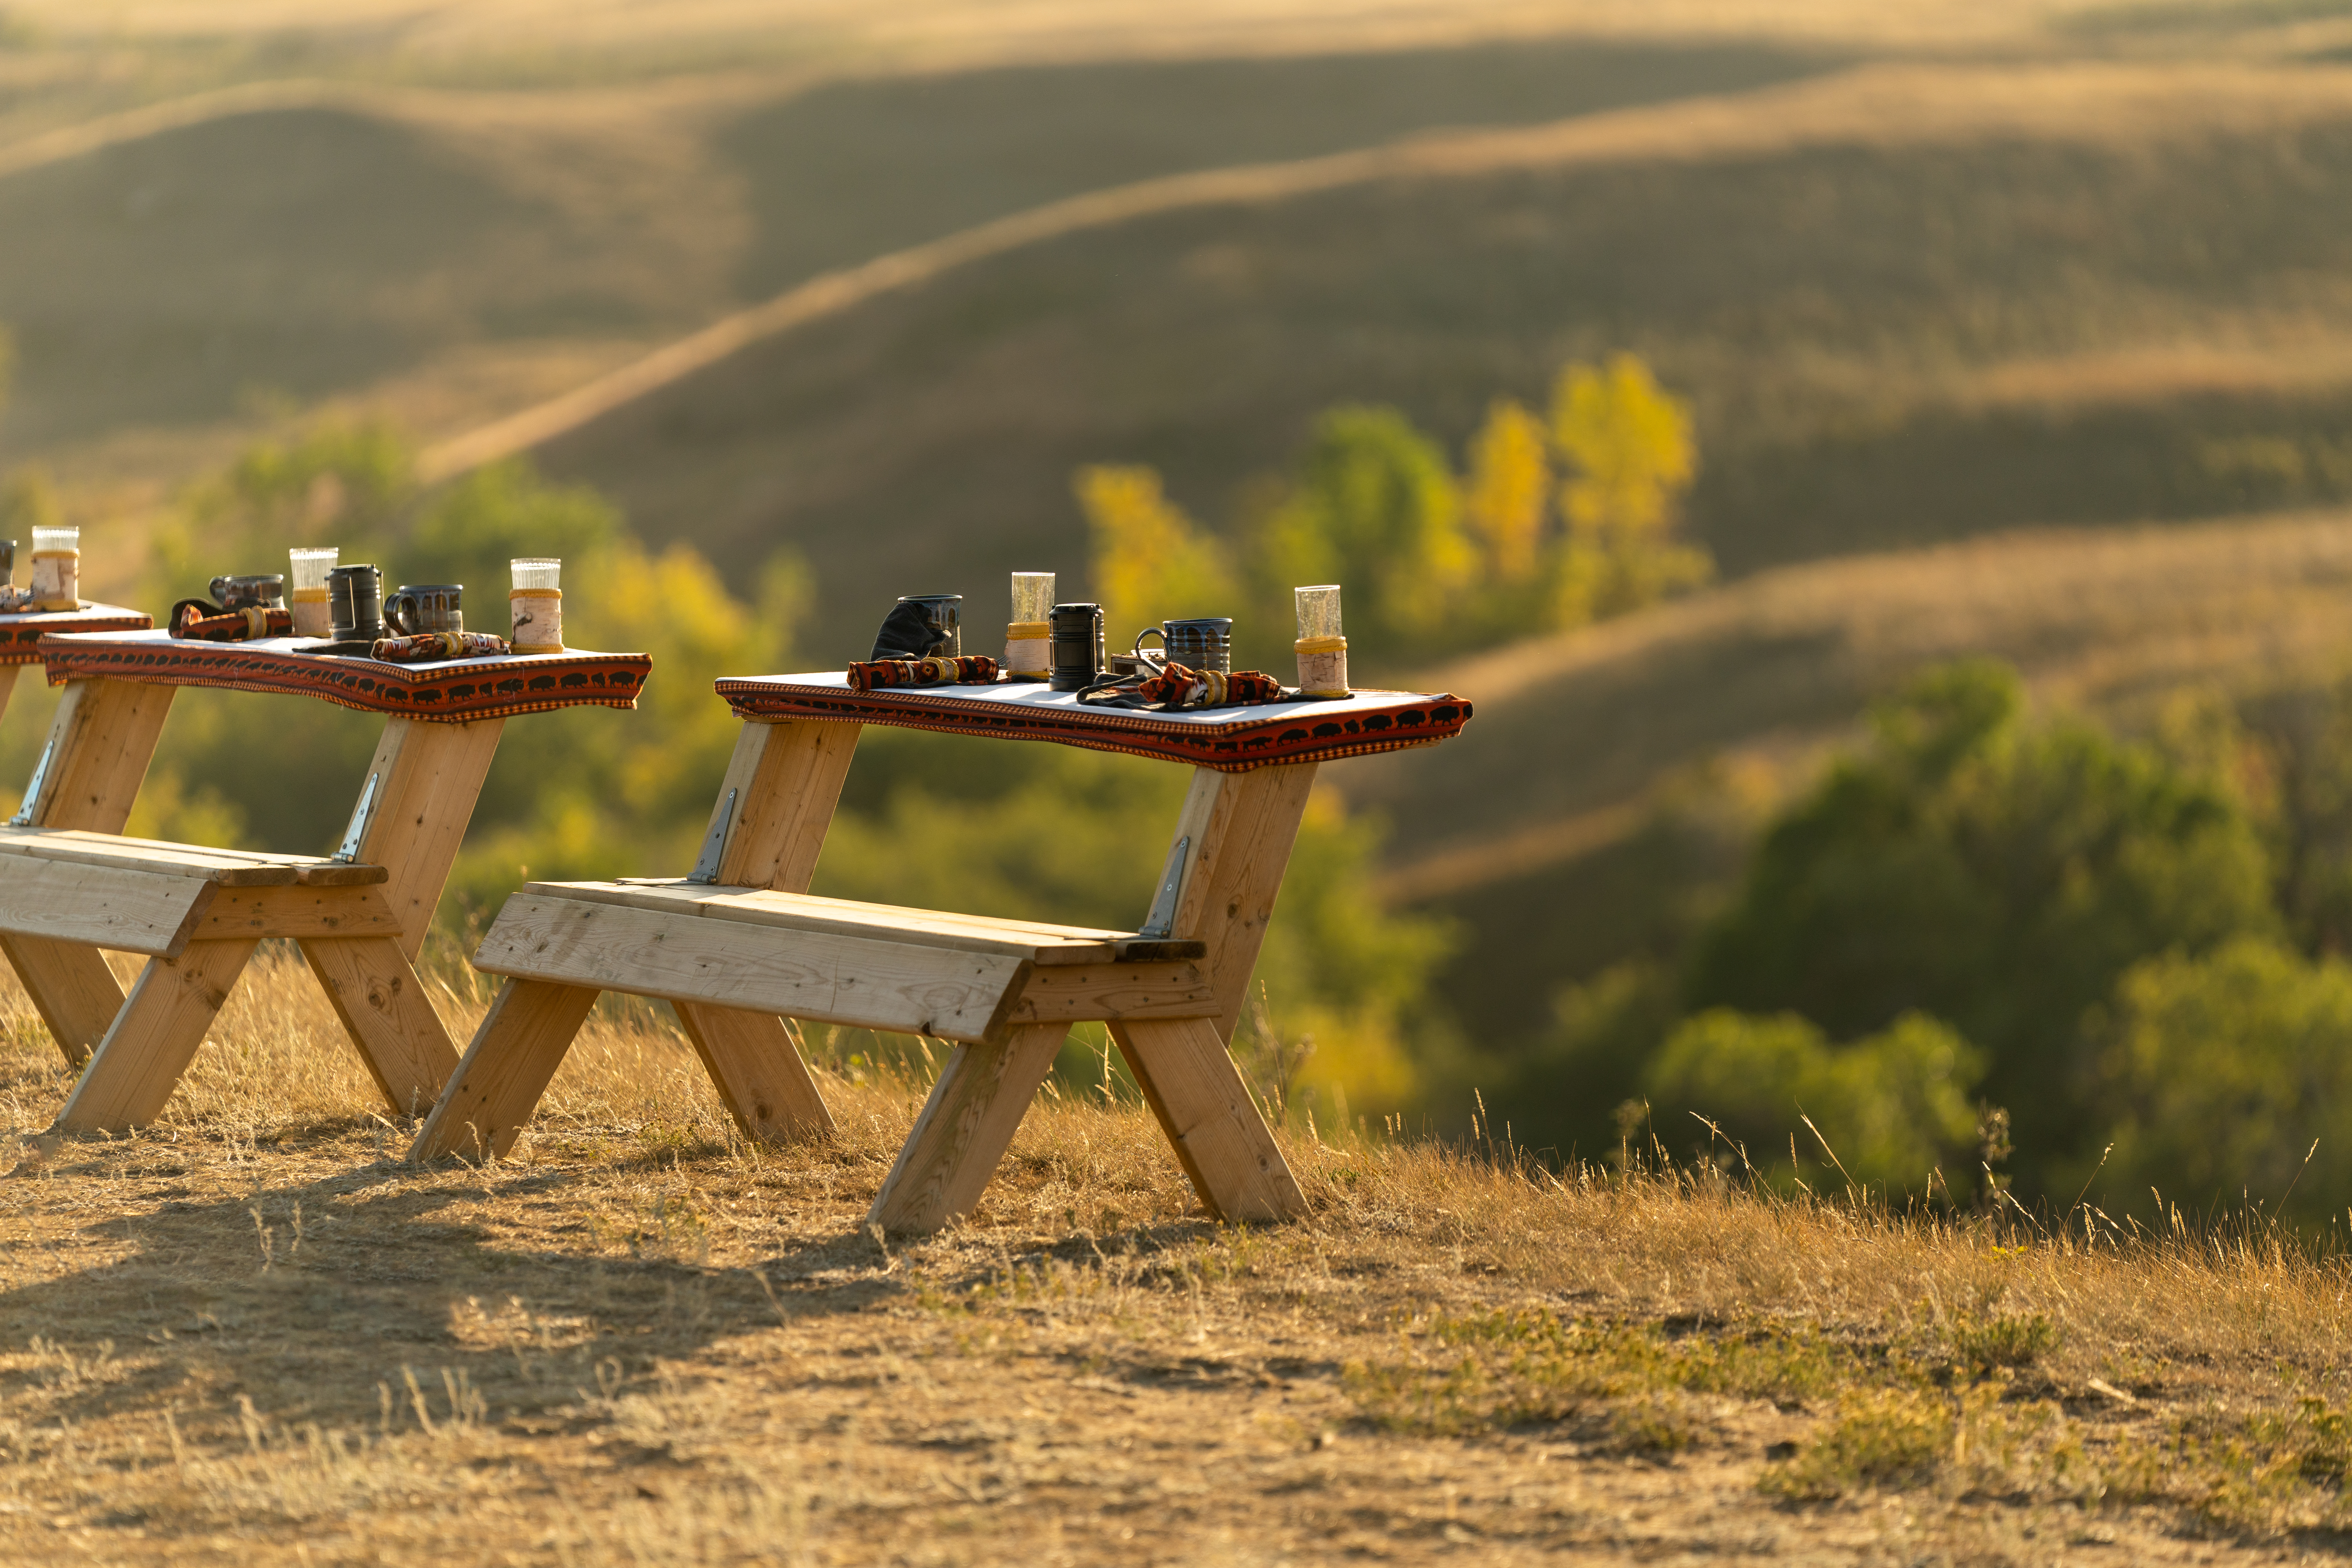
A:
(249, 1335)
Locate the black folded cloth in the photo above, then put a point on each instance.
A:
(907, 633)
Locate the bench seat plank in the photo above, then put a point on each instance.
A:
(1033, 941)
(227, 867)
(677, 953)
(101, 906)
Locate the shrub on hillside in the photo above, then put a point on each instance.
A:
(1894, 1106)
(2215, 1076)
(1992, 871)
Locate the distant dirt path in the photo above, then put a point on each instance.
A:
(1881, 104)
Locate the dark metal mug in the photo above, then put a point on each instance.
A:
(262, 591)
(355, 602)
(1204, 643)
(1078, 646)
(418, 608)
(945, 613)
(7, 563)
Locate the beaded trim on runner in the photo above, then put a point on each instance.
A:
(455, 692)
(1230, 740)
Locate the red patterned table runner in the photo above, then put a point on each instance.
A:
(1230, 740)
(20, 636)
(454, 692)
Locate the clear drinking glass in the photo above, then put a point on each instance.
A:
(306, 590)
(536, 604)
(57, 568)
(1318, 610)
(1322, 651)
(1033, 597)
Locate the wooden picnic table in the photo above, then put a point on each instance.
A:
(70, 886)
(740, 947)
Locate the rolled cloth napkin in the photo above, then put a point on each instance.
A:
(970, 669)
(205, 621)
(1178, 687)
(431, 646)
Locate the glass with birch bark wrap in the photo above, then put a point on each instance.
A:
(306, 590)
(57, 568)
(1029, 636)
(1322, 650)
(535, 603)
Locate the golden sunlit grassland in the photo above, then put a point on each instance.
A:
(248, 1335)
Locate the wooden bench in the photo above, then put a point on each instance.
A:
(197, 914)
(740, 948)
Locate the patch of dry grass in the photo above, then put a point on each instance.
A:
(250, 1334)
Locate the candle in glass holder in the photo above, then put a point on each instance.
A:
(1029, 637)
(1322, 651)
(307, 590)
(56, 569)
(536, 605)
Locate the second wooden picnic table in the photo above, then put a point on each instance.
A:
(72, 888)
(739, 946)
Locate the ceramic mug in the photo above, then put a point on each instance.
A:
(1202, 644)
(419, 609)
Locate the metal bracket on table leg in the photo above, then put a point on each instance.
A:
(362, 814)
(714, 847)
(1162, 923)
(23, 817)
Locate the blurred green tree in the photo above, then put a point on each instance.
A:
(2217, 1074)
(1894, 1106)
(1374, 508)
(1992, 872)
(1150, 561)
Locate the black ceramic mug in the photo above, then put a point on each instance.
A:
(1078, 646)
(263, 591)
(355, 602)
(944, 612)
(7, 563)
(419, 608)
(1202, 644)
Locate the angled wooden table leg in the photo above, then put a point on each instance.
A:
(504, 1071)
(100, 742)
(8, 674)
(1238, 830)
(154, 1039)
(1192, 1087)
(966, 1125)
(775, 806)
(417, 795)
(383, 1007)
(427, 778)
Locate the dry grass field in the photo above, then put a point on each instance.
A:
(248, 1335)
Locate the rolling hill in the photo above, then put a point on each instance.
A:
(180, 278)
(1911, 304)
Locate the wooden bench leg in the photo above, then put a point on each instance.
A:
(76, 993)
(132, 1075)
(381, 1002)
(1206, 1111)
(755, 1060)
(966, 1126)
(504, 1071)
